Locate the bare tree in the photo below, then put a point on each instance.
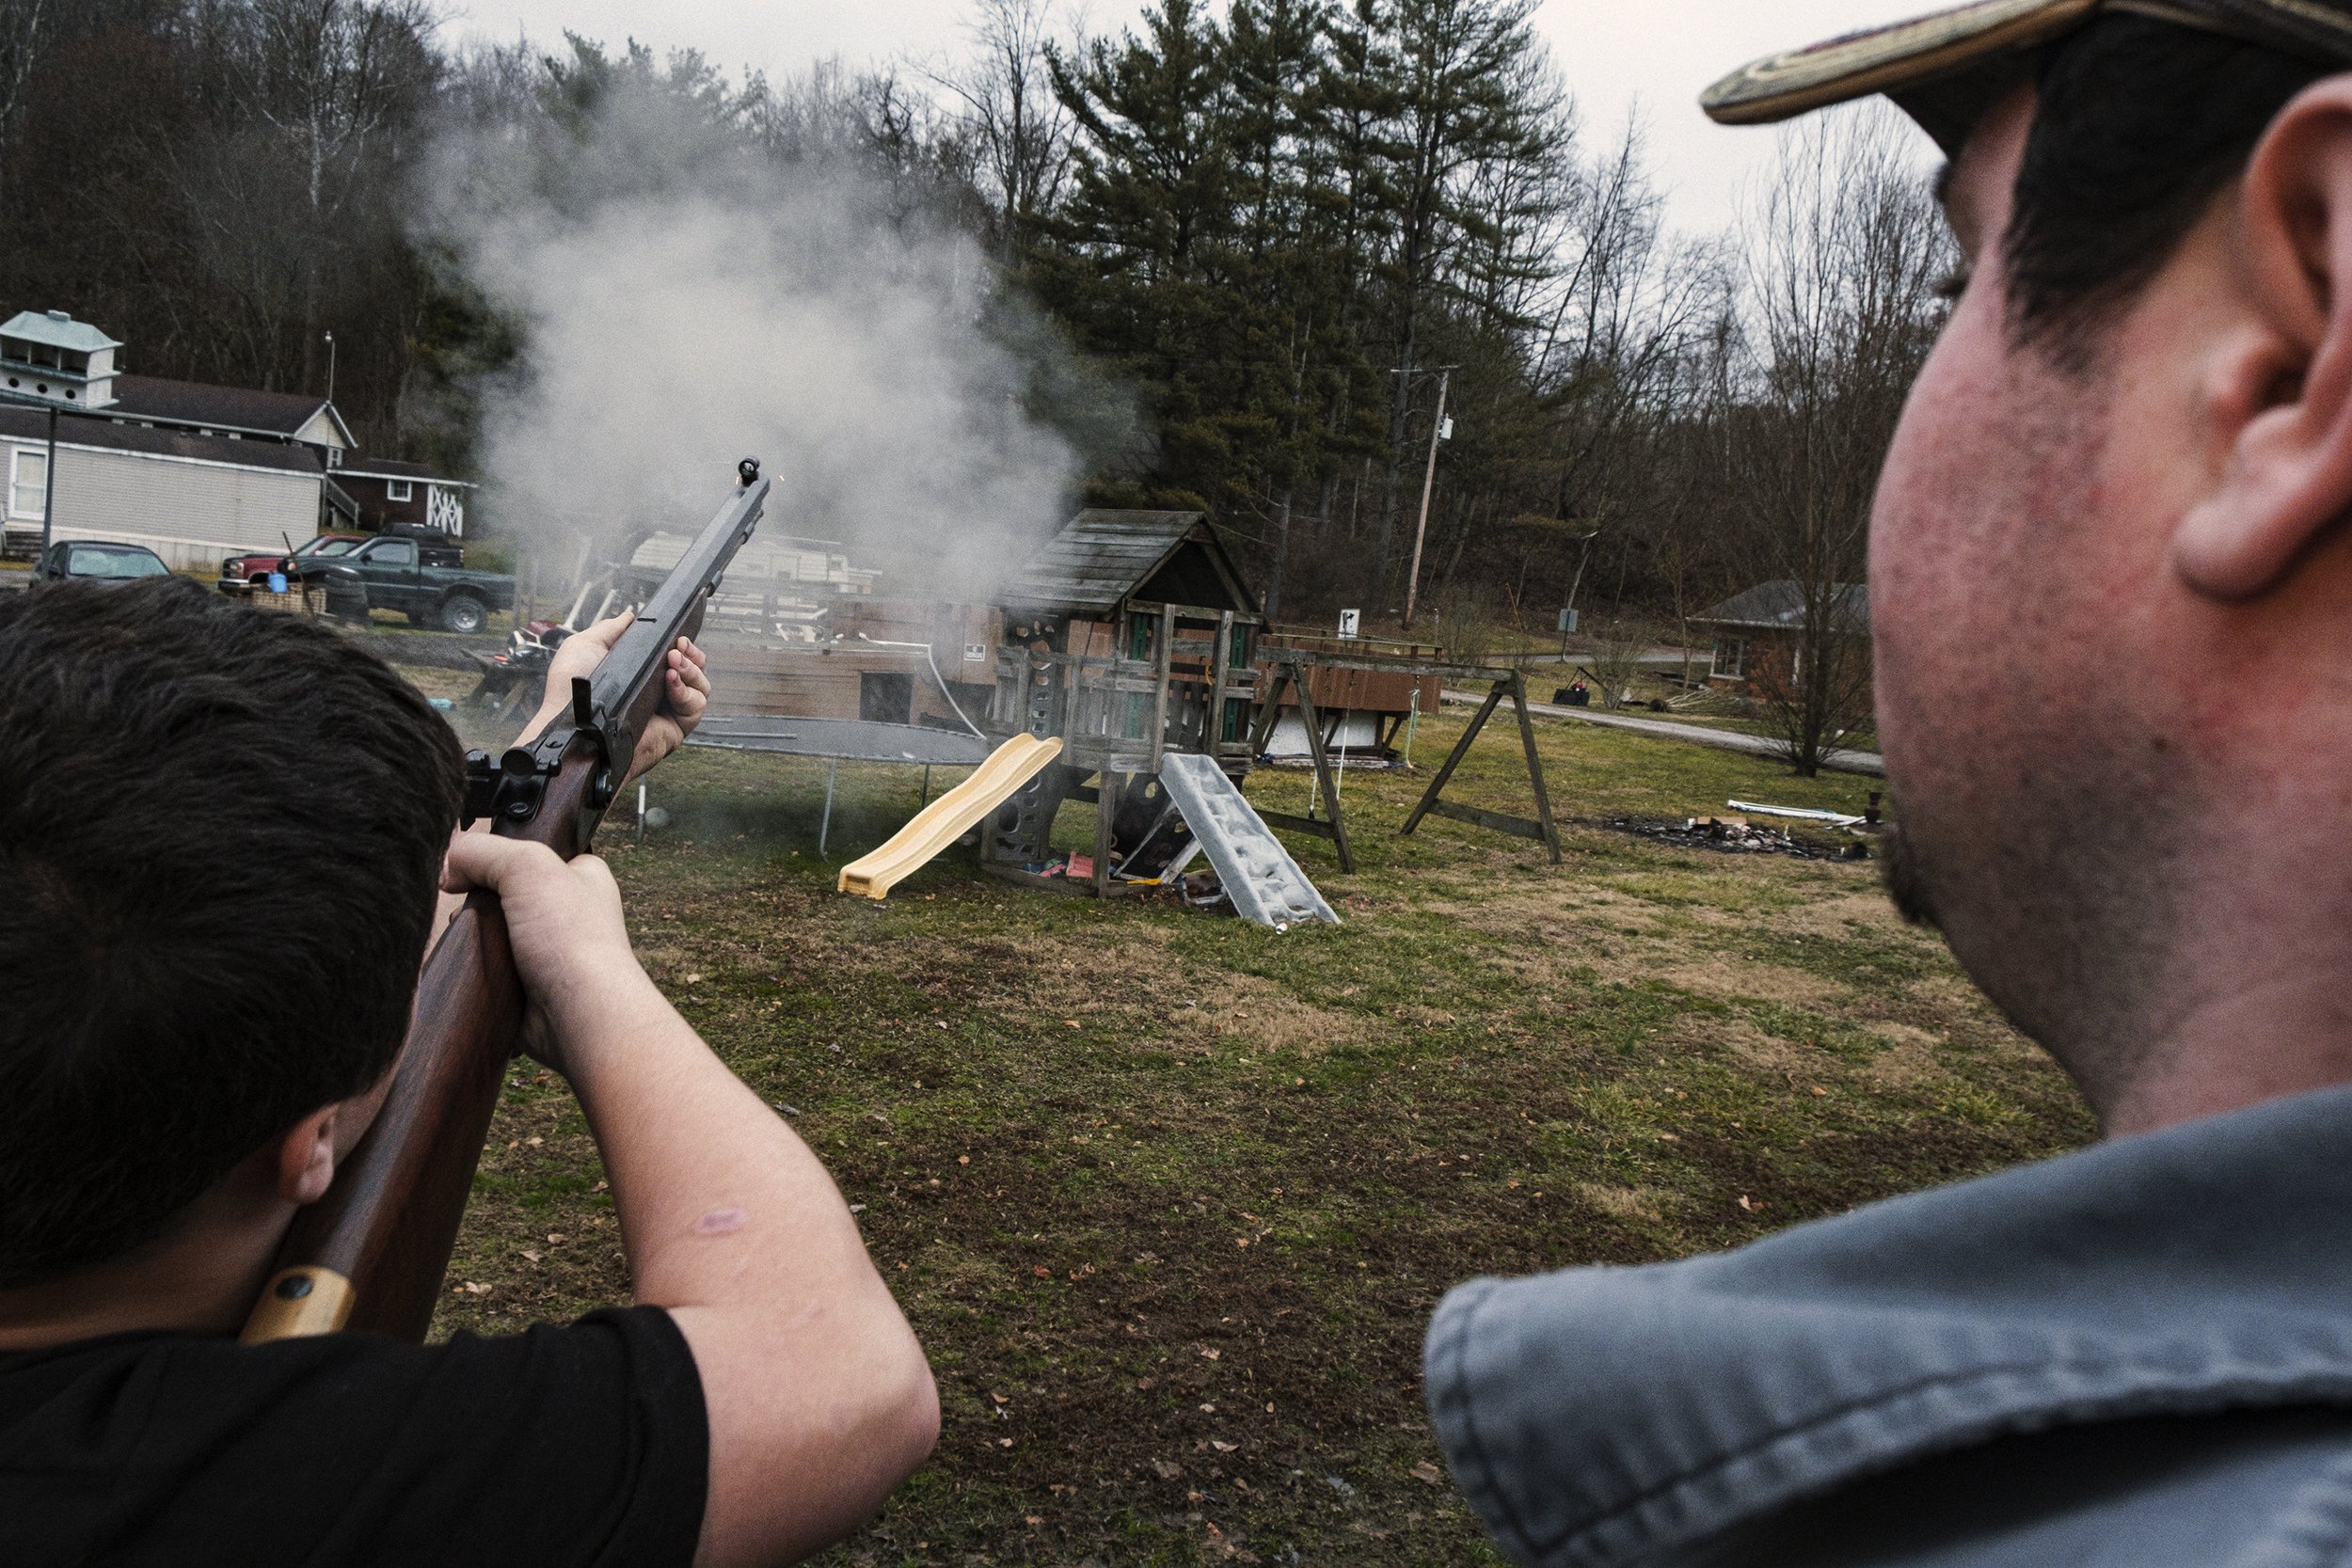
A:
(1621, 326)
(314, 103)
(1840, 257)
(1019, 129)
(21, 23)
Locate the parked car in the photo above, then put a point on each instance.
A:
(241, 573)
(96, 559)
(419, 576)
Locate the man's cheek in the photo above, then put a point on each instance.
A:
(1931, 583)
(1913, 593)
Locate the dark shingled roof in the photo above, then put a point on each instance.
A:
(292, 457)
(1779, 606)
(356, 466)
(227, 407)
(1104, 556)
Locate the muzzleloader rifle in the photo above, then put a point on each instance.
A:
(370, 1255)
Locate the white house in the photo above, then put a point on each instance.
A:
(193, 472)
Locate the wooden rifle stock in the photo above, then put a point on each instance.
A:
(370, 1256)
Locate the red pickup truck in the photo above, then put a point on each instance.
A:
(242, 572)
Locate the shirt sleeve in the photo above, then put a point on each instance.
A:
(583, 1445)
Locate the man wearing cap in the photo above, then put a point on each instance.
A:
(2133, 447)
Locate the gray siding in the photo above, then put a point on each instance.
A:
(192, 514)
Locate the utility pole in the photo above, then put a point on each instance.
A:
(1428, 479)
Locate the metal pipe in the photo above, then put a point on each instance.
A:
(833, 771)
(877, 643)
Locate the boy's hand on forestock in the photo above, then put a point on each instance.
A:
(685, 689)
(564, 922)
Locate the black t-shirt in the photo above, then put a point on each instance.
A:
(583, 1445)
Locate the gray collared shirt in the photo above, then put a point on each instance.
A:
(2139, 1353)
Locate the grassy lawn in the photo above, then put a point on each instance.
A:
(1169, 1198)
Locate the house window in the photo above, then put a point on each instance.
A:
(399, 490)
(1731, 658)
(334, 458)
(28, 484)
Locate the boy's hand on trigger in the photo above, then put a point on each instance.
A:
(563, 922)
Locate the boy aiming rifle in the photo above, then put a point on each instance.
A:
(222, 833)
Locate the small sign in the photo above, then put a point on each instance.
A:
(976, 653)
(1350, 621)
(1567, 622)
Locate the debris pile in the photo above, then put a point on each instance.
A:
(1732, 835)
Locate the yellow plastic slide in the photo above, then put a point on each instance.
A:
(949, 818)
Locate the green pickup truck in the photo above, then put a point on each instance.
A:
(420, 577)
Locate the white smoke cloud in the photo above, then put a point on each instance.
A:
(686, 304)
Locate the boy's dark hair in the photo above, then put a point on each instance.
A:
(2139, 124)
(220, 834)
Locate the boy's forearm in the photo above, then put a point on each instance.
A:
(718, 1198)
(809, 1370)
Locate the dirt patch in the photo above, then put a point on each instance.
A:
(1768, 1056)
(1246, 1007)
(1735, 979)
(1838, 914)
(1910, 1058)
(1626, 1203)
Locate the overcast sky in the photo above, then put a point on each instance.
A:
(1617, 54)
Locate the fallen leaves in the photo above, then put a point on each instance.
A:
(1426, 1471)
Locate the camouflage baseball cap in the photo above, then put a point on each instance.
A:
(1945, 67)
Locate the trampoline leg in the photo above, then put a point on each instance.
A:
(926, 788)
(824, 826)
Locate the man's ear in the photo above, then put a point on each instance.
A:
(2279, 390)
(306, 1157)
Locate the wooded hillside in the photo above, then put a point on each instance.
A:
(1288, 225)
